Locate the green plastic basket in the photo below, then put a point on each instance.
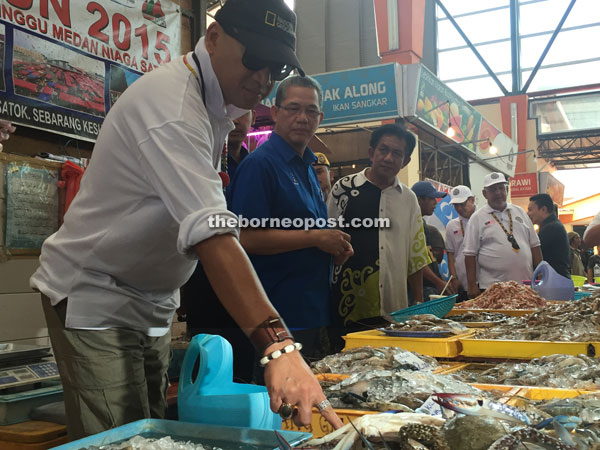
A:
(439, 307)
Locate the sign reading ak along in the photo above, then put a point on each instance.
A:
(356, 95)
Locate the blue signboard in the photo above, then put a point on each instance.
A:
(356, 95)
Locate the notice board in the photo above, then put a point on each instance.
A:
(64, 63)
(30, 204)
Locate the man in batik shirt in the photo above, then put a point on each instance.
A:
(387, 257)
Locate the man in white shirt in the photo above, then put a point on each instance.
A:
(464, 203)
(148, 208)
(500, 242)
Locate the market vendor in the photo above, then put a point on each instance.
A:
(500, 242)
(149, 206)
(577, 266)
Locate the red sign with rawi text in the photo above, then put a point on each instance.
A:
(524, 185)
(64, 63)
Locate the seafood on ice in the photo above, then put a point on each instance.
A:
(573, 321)
(428, 322)
(555, 371)
(367, 359)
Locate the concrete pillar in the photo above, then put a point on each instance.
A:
(400, 27)
(516, 126)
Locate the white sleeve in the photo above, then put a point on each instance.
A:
(595, 221)
(471, 242)
(450, 236)
(177, 161)
(534, 240)
(333, 206)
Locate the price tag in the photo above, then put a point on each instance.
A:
(430, 407)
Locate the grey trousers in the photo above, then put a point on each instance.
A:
(110, 377)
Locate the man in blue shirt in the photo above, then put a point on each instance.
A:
(292, 250)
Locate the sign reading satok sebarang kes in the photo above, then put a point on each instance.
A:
(63, 63)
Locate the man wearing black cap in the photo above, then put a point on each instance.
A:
(110, 276)
(433, 283)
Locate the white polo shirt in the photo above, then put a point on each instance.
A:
(496, 260)
(125, 247)
(455, 245)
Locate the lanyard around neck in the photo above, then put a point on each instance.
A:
(509, 234)
(199, 79)
(223, 174)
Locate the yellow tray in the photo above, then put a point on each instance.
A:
(506, 312)
(541, 393)
(440, 348)
(497, 348)
(445, 367)
(319, 427)
(530, 392)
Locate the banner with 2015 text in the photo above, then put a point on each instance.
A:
(63, 63)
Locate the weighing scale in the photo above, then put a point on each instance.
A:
(28, 379)
(22, 365)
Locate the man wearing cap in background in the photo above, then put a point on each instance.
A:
(552, 234)
(110, 276)
(464, 203)
(322, 170)
(577, 266)
(500, 242)
(373, 282)
(433, 283)
(277, 181)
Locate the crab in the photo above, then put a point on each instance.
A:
(374, 427)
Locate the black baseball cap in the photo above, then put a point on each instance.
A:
(426, 189)
(267, 28)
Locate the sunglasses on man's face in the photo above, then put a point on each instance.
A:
(278, 71)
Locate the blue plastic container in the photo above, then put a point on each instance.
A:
(551, 285)
(213, 397)
(227, 438)
(438, 307)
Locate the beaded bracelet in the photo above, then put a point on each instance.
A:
(277, 353)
